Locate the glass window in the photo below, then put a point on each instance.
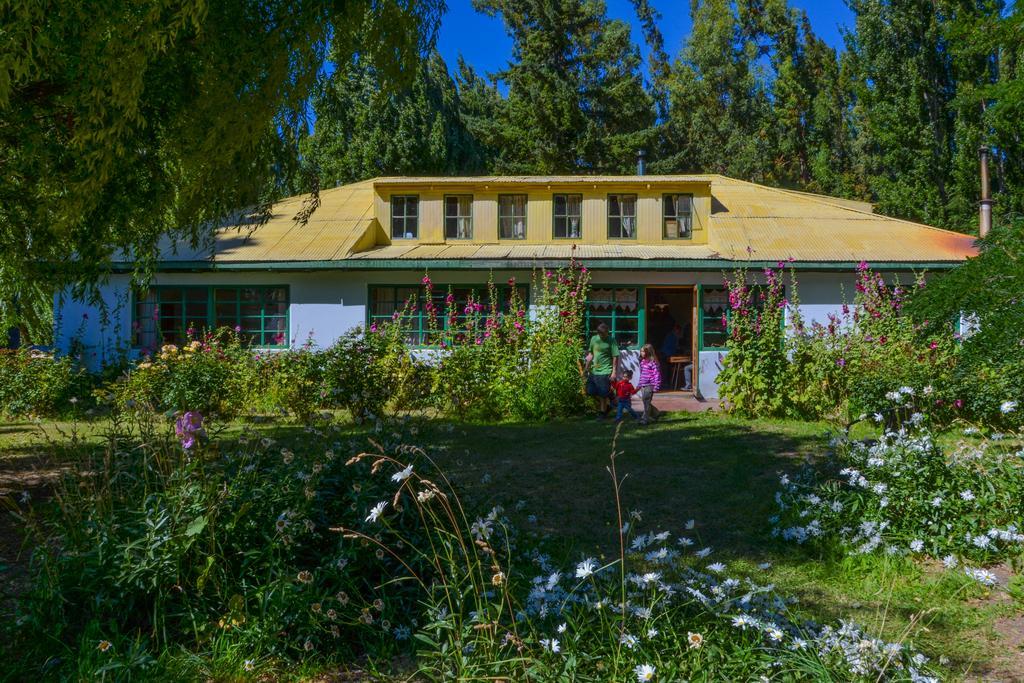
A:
(388, 302)
(405, 218)
(714, 311)
(259, 314)
(166, 315)
(677, 216)
(617, 307)
(170, 315)
(621, 216)
(512, 216)
(458, 217)
(568, 215)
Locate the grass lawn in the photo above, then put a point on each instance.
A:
(719, 471)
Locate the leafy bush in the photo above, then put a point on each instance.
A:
(35, 383)
(987, 292)
(754, 377)
(904, 494)
(202, 375)
(507, 365)
(841, 370)
(224, 544)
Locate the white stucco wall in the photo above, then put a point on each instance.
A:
(325, 305)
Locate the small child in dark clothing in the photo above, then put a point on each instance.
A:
(624, 391)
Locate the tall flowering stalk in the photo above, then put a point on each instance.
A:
(753, 380)
(845, 366)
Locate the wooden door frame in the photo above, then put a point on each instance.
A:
(694, 332)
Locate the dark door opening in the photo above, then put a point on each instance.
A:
(670, 328)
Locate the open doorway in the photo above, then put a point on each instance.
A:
(671, 312)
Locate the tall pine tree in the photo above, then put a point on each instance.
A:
(576, 99)
(719, 116)
(364, 129)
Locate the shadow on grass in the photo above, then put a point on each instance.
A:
(722, 473)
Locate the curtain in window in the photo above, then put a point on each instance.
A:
(573, 206)
(683, 214)
(519, 212)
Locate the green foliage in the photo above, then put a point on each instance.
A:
(576, 99)
(210, 375)
(34, 383)
(906, 494)
(754, 380)
(507, 365)
(123, 122)
(841, 370)
(226, 545)
(363, 129)
(846, 368)
(988, 292)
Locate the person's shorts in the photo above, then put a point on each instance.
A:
(599, 386)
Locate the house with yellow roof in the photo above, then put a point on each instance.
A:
(657, 247)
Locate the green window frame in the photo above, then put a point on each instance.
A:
(567, 216)
(713, 309)
(713, 336)
(385, 301)
(458, 216)
(677, 216)
(622, 223)
(622, 308)
(164, 314)
(512, 210)
(405, 216)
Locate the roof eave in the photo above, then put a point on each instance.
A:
(520, 264)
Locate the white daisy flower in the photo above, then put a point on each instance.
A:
(402, 475)
(644, 673)
(586, 568)
(1008, 407)
(376, 511)
(551, 645)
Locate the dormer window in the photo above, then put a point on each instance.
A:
(677, 216)
(405, 216)
(512, 216)
(568, 215)
(458, 217)
(622, 216)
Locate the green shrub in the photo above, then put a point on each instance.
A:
(905, 494)
(152, 547)
(754, 380)
(35, 383)
(497, 364)
(838, 371)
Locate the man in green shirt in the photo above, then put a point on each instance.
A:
(602, 364)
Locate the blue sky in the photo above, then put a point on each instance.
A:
(482, 40)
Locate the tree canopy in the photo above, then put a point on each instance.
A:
(121, 122)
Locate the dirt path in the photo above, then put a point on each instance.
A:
(1007, 635)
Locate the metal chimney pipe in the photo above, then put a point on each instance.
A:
(640, 165)
(985, 205)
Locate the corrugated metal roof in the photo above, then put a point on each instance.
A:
(748, 222)
(754, 222)
(344, 215)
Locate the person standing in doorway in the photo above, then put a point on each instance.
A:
(602, 363)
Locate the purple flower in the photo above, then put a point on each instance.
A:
(188, 427)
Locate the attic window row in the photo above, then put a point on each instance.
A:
(566, 216)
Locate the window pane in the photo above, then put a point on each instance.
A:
(677, 212)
